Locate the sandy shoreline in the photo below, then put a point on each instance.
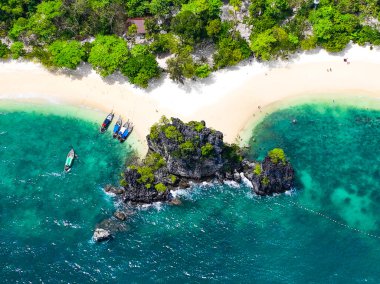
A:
(228, 101)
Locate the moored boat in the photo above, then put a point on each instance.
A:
(122, 130)
(126, 132)
(69, 160)
(106, 123)
(117, 127)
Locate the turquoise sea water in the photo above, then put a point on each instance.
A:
(325, 232)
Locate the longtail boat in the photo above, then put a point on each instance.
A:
(69, 160)
(122, 130)
(126, 132)
(117, 127)
(106, 123)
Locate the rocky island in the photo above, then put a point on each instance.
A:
(180, 153)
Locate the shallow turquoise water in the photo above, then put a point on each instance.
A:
(318, 234)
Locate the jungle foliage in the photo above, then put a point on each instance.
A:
(64, 33)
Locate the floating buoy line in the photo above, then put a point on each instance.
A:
(331, 219)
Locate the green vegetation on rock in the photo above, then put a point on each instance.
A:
(187, 148)
(207, 150)
(160, 187)
(277, 155)
(171, 132)
(123, 183)
(265, 181)
(155, 161)
(231, 153)
(173, 179)
(154, 131)
(196, 125)
(146, 175)
(257, 170)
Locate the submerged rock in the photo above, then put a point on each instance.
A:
(184, 183)
(120, 215)
(111, 189)
(176, 201)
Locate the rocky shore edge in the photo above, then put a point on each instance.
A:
(183, 153)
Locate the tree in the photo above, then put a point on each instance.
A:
(160, 7)
(367, 35)
(214, 28)
(151, 26)
(309, 43)
(236, 4)
(165, 43)
(332, 29)
(206, 8)
(108, 54)
(231, 51)
(132, 30)
(42, 23)
(203, 71)
(277, 9)
(4, 51)
(67, 54)
(265, 14)
(181, 67)
(188, 26)
(262, 45)
(11, 9)
(141, 66)
(273, 43)
(19, 27)
(17, 49)
(137, 8)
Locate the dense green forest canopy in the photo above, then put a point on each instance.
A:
(64, 33)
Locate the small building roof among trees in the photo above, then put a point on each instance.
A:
(139, 22)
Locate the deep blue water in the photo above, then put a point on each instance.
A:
(325, 232)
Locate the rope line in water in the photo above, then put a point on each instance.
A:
(334, 220)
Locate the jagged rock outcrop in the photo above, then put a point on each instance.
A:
(184, 146)
(140, 187)
(101, 235)
(274, 175)
(106, 229)
(178, 153)
(182, 152)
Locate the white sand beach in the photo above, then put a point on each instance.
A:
(230, 100)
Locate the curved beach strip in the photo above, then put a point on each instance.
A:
(229, 100)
